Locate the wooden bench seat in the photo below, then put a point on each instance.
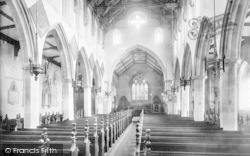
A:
(172, 135)
(101, 139)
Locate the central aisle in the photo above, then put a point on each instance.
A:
(125, 146)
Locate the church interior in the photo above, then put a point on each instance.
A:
(125, 77)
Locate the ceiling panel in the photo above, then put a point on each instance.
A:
(151, 65)
(130, 57)
(128, 62)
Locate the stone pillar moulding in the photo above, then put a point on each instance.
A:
(68, 100)
(87, 100)
(199, 97)
(229, 98)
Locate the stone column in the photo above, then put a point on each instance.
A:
(99, 103)
(211, 90)
(68, 100)
(228, 94)
(185, 101)
(178, 102)
(109, 104)
(199, 98)
(31, 110)
(87, 100)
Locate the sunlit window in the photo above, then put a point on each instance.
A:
(159, 35)
(137, 19)
(140, 88)
(116, 37)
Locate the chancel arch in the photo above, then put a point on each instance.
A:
(184, 75)
(136, 71)
(142, 48)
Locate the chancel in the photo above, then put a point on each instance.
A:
(125, 77)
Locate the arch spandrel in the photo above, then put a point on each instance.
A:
(63, 44)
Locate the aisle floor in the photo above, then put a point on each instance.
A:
(125, 145)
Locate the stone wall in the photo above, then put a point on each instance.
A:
(124, 83)
(11, 81)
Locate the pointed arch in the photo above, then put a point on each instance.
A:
(150, 52)
(20, 14)
(86, 67)
(63, 45)
(202, 47)
(230, 43)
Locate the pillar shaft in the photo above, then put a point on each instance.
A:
(178, 102)
(228, 94)
(199, 98)
(32, 92)
(99, 103)
(87, 101)
(185, 101)
(68, 100)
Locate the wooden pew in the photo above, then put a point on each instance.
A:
(12, 124)
(93, 136)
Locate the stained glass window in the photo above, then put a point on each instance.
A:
(140, 88)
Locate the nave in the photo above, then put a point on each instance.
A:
(115, 134)
(186, 63)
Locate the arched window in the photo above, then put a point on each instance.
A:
(137, 19)
(140, 88)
